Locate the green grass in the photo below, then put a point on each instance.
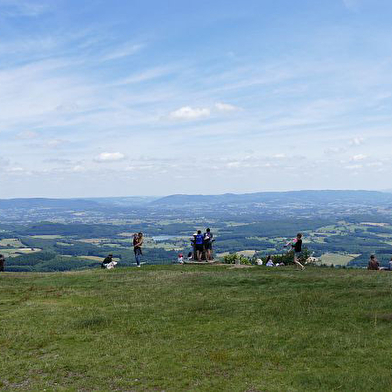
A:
(48, 236)
(196, 328)
(9, 252)
(336, 258)
(14, 242)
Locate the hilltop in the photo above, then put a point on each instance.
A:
(307, 196)
(360, 197)
(204, 328)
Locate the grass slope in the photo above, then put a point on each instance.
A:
(196, 328)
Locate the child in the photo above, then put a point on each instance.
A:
(180, 259)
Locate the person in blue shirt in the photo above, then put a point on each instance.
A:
(199, 244)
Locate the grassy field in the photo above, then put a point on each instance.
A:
(336, 258)
(9, 252)
(14, 242)
(196, 328)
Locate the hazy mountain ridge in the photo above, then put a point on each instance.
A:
(48, 203)
(322, 196)
(184, 200)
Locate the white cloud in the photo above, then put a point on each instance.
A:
(123, 51)
(233, 164)
(357, 141)
(14, 8)
(53, 143)
(110, 157)
(147, 75)
(353, 167)
(15, 169)
(78, 169)
(188, 113)
(359, 157)
(226, 107)
(335, 150)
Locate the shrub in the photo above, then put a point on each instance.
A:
(234, 258)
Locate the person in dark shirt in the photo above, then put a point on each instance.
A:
(297, 247)
(137, 247)
(2, 263)
(373, 263)
(108, 259)
(208, 239)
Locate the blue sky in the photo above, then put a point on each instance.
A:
(116, 98)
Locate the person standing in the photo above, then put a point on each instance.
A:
(297, 247)
(137, 247)
(2, 263)
(208, 239)
(199, 242)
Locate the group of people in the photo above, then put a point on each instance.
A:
(137, 243)
(294, 245)
(202, 250)
(202, 245)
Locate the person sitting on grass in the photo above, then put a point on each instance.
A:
(297, 247)
(373, 263)
(108, 262)
(269, 262)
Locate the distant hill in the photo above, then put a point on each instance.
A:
(76, 204)
(128, 201)
(183, 200)
(324, 196)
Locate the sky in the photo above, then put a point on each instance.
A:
(156, 97)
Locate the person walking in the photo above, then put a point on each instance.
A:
(137, 247)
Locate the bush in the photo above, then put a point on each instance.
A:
(234, 258)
